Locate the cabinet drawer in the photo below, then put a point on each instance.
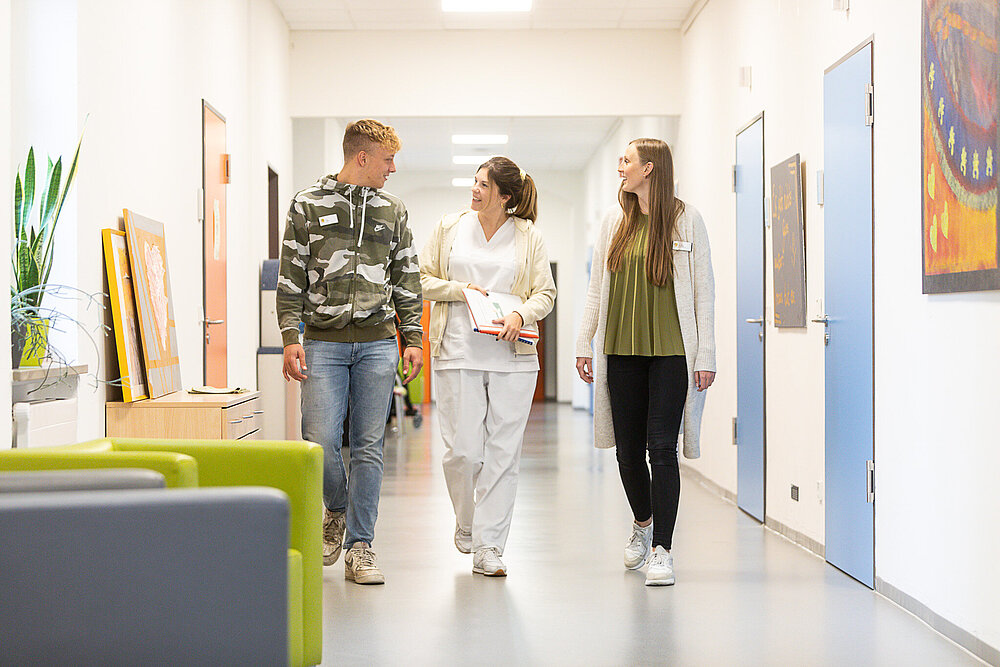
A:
(241, 419)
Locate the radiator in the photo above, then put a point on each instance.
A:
(45, 423)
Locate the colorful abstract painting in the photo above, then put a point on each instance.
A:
(147, 252)
(124, 316)
(960, 66)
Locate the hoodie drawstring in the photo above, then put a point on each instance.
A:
(364, 207)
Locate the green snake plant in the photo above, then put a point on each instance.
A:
(34, 243)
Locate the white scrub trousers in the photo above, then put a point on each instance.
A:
(482, 415)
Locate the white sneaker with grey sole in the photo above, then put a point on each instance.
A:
(661, 568)
(487, 562)
(637, 549)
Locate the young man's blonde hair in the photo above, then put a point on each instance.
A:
(361, 135)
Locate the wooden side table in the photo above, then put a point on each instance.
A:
(185, 415)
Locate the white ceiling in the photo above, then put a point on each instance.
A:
(536, 144)
(427, 15)
(555, 144)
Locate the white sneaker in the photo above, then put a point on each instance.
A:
(333, 535)
(637, 549)
(463, 540)
(487, 562)
(360, 567)
(661, 568)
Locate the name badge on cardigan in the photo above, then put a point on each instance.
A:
(683, 246)
(328, 219)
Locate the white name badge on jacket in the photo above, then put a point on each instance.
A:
(683, 246)
(328, 219)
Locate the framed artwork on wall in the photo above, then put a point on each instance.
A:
(124, 317)
(959, 73)
(788, 241)
(147, 251)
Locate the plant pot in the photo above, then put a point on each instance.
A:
(29, 342)
(16, 345)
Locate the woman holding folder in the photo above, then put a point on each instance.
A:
(485, 383)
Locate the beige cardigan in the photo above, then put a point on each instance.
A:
(533, 283)
(694, 289)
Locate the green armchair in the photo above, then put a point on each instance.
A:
(294, 467)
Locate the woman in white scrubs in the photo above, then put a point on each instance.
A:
(484, 384)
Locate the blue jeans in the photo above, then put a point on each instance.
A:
(362, 374)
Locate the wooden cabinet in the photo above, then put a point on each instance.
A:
(184, 415)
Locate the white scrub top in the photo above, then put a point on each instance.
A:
(493, 265)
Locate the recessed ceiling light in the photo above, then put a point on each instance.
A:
(470, 159)
(463, 182)
(479, 139)
(486, 5)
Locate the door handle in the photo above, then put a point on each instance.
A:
(214, 321)
(756, 321)
(825, 321)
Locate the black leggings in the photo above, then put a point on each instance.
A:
(647, 402)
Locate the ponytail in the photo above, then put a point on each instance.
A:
(527, 205)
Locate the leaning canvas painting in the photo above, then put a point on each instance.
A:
(124, 316)
(147, 250)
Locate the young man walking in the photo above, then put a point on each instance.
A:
(348, 270)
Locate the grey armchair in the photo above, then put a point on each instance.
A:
(149, 576)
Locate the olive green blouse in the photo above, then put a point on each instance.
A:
(642, 317)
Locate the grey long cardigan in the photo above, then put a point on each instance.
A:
(694, 288)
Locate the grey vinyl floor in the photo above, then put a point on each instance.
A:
(744, 595)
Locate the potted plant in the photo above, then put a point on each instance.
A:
(32, 256)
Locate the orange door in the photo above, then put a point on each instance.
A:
(539, 396)
(215, 175)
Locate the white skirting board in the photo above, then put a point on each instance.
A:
(45, 423)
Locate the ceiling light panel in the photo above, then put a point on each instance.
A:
(486, 5)
(479, 139)
(470, 159)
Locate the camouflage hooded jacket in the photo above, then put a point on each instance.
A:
(348, 266)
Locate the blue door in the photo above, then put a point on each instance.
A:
(749, 186)
(849, 310)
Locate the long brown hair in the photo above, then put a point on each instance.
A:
(511, 181)
(664, 210)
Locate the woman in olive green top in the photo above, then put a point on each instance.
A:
(651, 306)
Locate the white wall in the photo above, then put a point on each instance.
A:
(44, 116)
(142, 73)
(6, 195)
(935, 424)
(309, 159)
(269, 135)
(461, 73)
(935, 439)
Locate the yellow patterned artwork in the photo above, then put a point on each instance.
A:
(126, 324)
